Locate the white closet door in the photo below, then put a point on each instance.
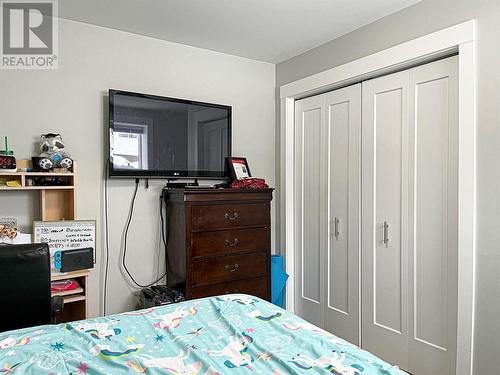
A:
(433, 218)
(342, 261)
(385, 217)
(310, 212)
(327, 193)
(410, 217)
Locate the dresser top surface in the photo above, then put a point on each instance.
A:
(202, 190)
(218, 195)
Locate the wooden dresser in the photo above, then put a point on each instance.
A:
(219, 241)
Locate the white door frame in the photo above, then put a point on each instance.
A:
(455, 39)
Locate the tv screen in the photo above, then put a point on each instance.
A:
(153, 136)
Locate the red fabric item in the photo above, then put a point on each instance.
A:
(249, 183)
(63, 285)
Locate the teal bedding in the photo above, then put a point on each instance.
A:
(230, 334)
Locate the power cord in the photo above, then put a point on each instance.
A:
(106, 234)
(127, 227)
(163, 229)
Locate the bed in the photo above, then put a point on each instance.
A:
(230, 334)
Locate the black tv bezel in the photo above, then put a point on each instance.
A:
(165, 174)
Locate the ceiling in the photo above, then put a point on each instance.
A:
(266, 30)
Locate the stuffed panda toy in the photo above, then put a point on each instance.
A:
(53, 153)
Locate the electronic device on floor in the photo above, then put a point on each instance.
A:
(159, 295)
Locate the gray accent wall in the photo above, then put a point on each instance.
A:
(72, 100)
(426, 17)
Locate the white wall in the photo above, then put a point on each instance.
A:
(70, 100)
(423, 18)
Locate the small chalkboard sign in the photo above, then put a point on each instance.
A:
(65, 235)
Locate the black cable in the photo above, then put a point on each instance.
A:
(106, 231)
(162, 237)
(162, 228)
(164, 232)
(127, 226)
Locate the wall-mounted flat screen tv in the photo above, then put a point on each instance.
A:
(154, 136)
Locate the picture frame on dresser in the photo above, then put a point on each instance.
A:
(238, 167)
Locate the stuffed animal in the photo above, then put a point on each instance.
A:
(7, 232)
(53, 153)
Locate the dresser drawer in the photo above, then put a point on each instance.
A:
(206, 217)
(210, 270)
(229, 241)
(256, 287)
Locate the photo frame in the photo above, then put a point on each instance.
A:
(239, 168)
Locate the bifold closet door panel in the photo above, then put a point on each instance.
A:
(385, 150)
(433, 218)
(341, 265)
(410, 217)
(309, 205)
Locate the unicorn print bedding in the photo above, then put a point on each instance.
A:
(230, 334)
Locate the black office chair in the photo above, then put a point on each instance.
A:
(25, 287)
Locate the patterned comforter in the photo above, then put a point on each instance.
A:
(230, 334)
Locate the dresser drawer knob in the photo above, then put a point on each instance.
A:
(231, 243)
(231, 268)
(232, 216)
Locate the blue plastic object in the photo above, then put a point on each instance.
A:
(278, 281)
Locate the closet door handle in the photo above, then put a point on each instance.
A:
(386, 234)
(232, 216)
(336, 224)
(231, 243)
